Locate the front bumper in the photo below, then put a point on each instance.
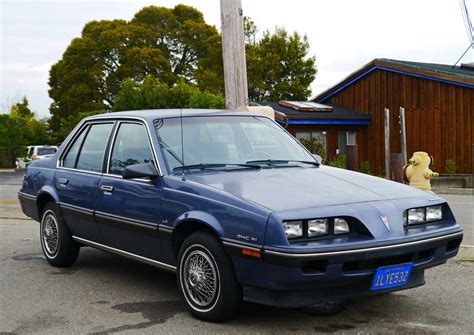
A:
(305, 298)
(286, 279)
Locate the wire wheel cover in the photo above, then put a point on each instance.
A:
(50, 234)
(200, 280)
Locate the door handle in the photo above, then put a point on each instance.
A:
(63, 181)
(107, 188)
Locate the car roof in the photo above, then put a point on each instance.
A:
(152, 114)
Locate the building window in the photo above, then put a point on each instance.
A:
(316, 137)
(346, 138)
(319, 136)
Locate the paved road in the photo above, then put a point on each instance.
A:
(463, 209)
(104, 293)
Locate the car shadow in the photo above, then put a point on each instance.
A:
(156, 297)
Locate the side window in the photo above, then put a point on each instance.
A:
(92, 152)
(69, 160)
(131, 146)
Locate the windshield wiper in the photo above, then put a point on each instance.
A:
(285, 161)
(204, 166)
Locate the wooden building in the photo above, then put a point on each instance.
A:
(331, 125)
(439, 106)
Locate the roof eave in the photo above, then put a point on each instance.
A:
(391, 65)
(329, 117)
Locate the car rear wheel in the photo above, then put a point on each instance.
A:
(206, 279)
(56, 241)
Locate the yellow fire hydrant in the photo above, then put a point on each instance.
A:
(418, 172)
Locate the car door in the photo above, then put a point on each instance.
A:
(128, 211)
(78, 175)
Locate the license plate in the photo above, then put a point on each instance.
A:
(391, 276)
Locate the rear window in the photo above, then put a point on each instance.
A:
(46, 151)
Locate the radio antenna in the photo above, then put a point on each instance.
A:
(469, 28)
(182, 142)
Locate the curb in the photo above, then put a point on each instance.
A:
(458, 191)
(8, 170)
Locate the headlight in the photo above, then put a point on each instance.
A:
(434, 213)
(293, 229)
(416, 216)
(317, 227)
(341, 226)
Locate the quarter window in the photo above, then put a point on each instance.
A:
(91, 154)
(131, 146)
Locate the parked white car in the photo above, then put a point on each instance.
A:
(36, 152)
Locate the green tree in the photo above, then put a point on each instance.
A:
(181, 52)
(12, 131)
(22, 109)
(68, 123)
(250, 31)
(22, 126)
(278, 66)
(18, 129)
(170, 44)
(206, 100)
(153, 94)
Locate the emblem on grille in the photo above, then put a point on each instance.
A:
(385, 222)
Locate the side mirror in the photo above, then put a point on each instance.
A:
(318, 158)
(145, 170)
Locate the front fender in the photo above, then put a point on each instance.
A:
(204, 218)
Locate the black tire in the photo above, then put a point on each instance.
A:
(58, 246)
(225, 303)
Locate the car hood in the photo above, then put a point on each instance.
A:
(289, 188)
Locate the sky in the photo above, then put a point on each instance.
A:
(343, 34)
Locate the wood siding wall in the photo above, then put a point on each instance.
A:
(332, 140)
(439, 117)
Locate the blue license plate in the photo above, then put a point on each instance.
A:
(391, 276)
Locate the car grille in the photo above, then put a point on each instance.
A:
(374, 263)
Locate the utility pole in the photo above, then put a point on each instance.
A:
(233, 53)
(403, 132)
(387, 142)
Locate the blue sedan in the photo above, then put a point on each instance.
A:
(237, 207)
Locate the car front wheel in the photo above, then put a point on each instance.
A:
(56, 240)
(206, 279)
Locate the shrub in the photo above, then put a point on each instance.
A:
(153, 94)
(206, 100)
(365, 168)
(315, 147)
(450, 166)
(339, 161)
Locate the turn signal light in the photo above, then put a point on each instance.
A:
(252, 253)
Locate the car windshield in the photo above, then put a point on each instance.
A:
(46, 151)
(227, 141)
